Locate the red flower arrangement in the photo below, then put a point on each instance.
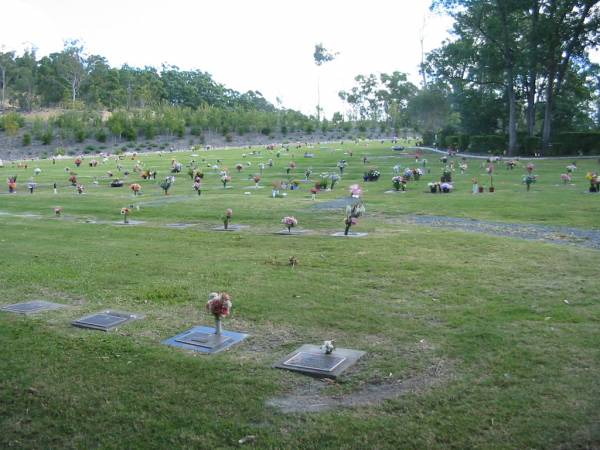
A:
(219, 304)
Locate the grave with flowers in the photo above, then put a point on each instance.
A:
(210, 339)
(324, 361)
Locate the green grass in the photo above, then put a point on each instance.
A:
(520, 366)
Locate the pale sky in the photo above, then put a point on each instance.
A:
(264, 45)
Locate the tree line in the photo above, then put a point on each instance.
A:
(514, 68)
(72, 78)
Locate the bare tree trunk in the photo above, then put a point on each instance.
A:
(3, 86)
(531, 106)
(73, 91)
(512, 113)
(547, 130)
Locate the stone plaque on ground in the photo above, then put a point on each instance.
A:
(350, 234)
(105, 320)
(229, 228)
(130, 222)
(310, 360)
(204, 340)
(207, 340)
(180, 225)
(32, 307)
(294, 232)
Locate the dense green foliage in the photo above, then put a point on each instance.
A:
(70, 77)
(517, 69)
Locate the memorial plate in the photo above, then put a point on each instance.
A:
(229, 228)
(310, 360)
(350, 234)
(207, 340)
(316, 361)
(204, 340)
(105, 320)
(31, 307)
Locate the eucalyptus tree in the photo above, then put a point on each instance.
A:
(7, 63)
(493, 31)
(569, 29)
(321, 55)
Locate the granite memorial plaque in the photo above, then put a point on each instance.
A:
(310, 360)
(31, 307)
(350, 234)
(316, 361)
(204, 340)
(105, 320)
(207, 340)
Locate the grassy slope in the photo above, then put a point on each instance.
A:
(521, 363)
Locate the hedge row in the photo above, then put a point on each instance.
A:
(572, 143)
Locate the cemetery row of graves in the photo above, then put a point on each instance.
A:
(318, 259)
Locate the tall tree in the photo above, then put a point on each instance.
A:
(569, 28)
(321, 55)
(7, 62)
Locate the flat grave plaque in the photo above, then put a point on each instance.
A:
(105, 320)
(204, 340)
(180, 225)
(350, 234)
(310, 360)
(316, 361)
(32, 307)
(229, 228)
(291, 233)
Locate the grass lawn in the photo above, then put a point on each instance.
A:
(472, 341)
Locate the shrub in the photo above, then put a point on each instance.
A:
(284, 129)
(575, 143)
(80, 135)
(47, 137)
(101, 135)
(427, 138)
(130, 134)
(59, 151)
(530, 145)
(11, 123)
(26, 139)
(488, 143)
(309, 128)
(265, 130)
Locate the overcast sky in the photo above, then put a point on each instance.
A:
(264, 45)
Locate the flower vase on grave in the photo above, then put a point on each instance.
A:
(218, 325)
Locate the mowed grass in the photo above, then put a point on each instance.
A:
(509, 328)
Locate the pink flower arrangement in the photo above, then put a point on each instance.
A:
(219, 305)
(58, 210)
(239, 167)
(256, 179)
(530, 167)
(289, 222)
(227, 217)
(136, 188)
(355, 191)
(565, 177)
(125, 212)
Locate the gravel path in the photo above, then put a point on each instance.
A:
(554, 234)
